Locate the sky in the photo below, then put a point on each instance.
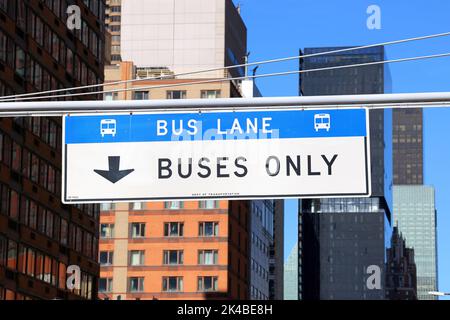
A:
(280, 28)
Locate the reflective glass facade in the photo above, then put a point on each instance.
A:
(291, 276)
(340, 238)
(415, 214)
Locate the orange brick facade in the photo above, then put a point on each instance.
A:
(231, 243)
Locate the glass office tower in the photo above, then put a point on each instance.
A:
(415, 213)
(340, 238)
(291, 276)
(414, 207)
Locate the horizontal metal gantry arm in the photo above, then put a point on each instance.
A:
(43, 108)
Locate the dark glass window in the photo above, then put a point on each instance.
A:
(3, 250)
(207, 283)
(208, 229)
(173, 257)
(172, 284)
(11, 262)
(177, 94)
(3, 46)
(105, 284)
(31, 262)
(20, 62)
(14, 205)
(106, 230)
(137, 230)
(136, 284)
(106, 258)
(173, 229)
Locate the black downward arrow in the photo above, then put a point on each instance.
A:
(114, 174)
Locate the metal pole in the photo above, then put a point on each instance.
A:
(304, 102)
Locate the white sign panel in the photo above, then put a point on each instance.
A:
(211, 155)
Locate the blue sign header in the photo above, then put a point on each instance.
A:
(279, 124)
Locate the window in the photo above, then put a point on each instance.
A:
(208, 257)
(141, 95)
(209, 204)
(173, 257)
(107, 230)
(106, 258)
(3, 41)
(210, 94)
(69, 61)
(176, 94)
(207, 284)
(31, 256)
(3, 250)
(116, 8)
(14, 205)
(172, 284)
(11, 259)
(4, 5)
(137, 230)
(106, 206)
(49, 223)
(22, 259)
(137, 257)
(20, 62)
(47, 275)
(137, 206)
(136, 284)
(173, 229)
(64, 231)
(16, 157)
(173, 205)
(4, 204)
(105, 284)
(117, 49)
(115, 28)
(20, 14)
(109, 96)
(62, 276)
(208, 229)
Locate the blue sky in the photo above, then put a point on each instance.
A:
(280, 28)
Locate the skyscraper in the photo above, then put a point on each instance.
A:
(184, 35)
(401, 275)
(291, 276)
(415, 214)
(39, 236)
(407, 146)
(276, 253)
(340, 238)
(414, 203)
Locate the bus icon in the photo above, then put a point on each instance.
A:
(108, 127)
(322, 121)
